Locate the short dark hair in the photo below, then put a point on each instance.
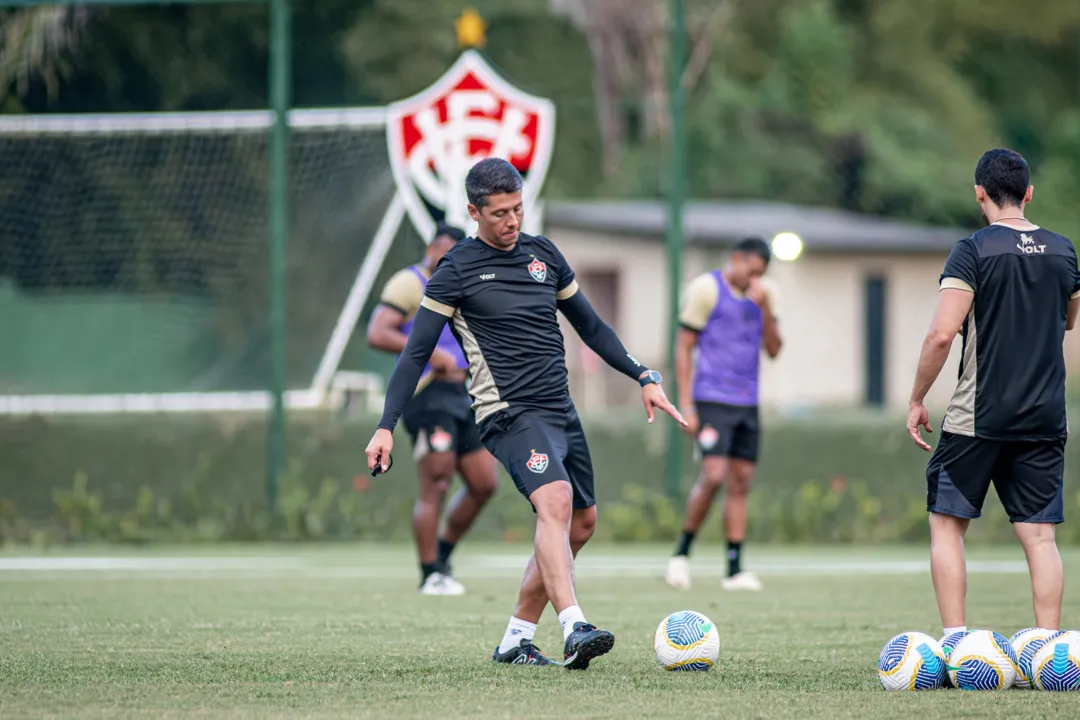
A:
(754, 246)
(451, 231)
(1005, 176)
(491, 176)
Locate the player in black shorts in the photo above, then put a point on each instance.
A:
(440, 422)
(728, 316)
(501, 292)
(1011, 290)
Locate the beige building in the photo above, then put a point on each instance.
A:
(853, 309)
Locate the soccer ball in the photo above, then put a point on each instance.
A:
(1056, 666)
(947, 644)
(686, 640)
(911, 661)
(1034, 638)
(1027, 655)
(982, 660)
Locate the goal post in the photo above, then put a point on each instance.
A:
(146, 257)
(279, 73)
(170, 170)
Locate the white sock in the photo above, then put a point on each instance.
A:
(516, 631)
(950, 631)
(568, 617)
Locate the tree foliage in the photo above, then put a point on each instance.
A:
(876, 106)
(884, 107)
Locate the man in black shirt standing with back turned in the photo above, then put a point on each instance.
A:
(1012, 289)
(501, 291)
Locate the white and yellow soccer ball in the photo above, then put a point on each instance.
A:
(911, 661)
(1023, 660)
(947, 644)
(1056, 666)
(1034, 638)
(982, 660)
(686, 641)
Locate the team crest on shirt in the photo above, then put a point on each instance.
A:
(538, 462)
(708, 437)
(440, 440)
(538, 270)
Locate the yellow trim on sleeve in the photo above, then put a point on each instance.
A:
(567, 292)
(953, 283)
(436, 306)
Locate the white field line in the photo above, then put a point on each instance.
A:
(482, 566)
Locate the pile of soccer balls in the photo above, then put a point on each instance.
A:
(970, 660)
(982, 660)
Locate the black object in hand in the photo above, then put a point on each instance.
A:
(378, 465)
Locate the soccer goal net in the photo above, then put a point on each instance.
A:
(134, 257)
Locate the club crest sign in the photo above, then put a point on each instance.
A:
(469, 114)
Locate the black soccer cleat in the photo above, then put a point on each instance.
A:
(584, 644)
(524, 654)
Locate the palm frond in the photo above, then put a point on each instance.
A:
(37, 41)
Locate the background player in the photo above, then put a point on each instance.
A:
(1012, 289)
(728, 315)
(502, 290)
(440, 422)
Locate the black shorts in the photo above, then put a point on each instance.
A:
(538, 447)
(440, 419)
(727, 431)
(1026, 475)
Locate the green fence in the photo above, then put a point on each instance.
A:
(279, 73)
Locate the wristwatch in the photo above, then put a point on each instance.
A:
(650, 377)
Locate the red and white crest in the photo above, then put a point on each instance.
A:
(538, 270)
(441, 440)
(469, 114)
(538, 462)
(708, 437)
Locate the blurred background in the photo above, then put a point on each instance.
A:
(186, 272)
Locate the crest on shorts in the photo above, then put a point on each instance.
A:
(538, 462)
(440, 440)
(469, 114)
(708, 437)
(538, 270)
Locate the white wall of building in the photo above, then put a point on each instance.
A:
(822, 320)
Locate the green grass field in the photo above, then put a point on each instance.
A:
(317, 631)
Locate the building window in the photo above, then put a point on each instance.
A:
(874, 298)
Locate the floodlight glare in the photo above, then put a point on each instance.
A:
(787, 246)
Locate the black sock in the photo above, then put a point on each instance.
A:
(685, 541)
(427, 569)
(445, 548)
(734, 558)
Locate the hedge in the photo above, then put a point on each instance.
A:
(184, 477)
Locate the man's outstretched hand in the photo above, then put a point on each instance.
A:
(654, 398)
(378, 450)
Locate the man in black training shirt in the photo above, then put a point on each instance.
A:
(1011, 289)
(501, 291)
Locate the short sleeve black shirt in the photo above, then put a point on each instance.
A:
(1012, 372)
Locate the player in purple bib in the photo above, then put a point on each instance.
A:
(728, 315)
(440, 421)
